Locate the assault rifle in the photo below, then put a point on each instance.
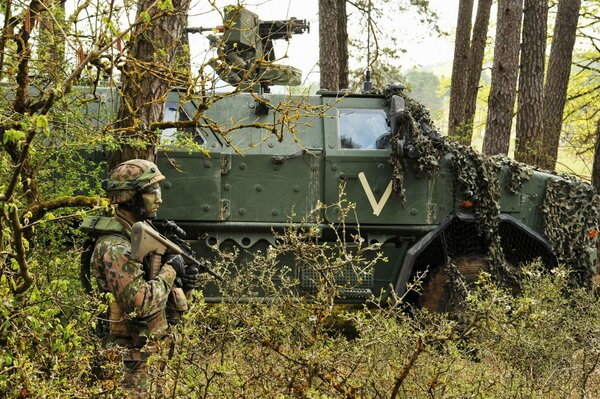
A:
(145, 240)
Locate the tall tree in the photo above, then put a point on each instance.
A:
(342, 35)
(531, 82)
(462, 44)
(333, 44)
(147, 75)
(596, 166)
(505, 69)
(557, 79)
(476, 53)
(329, 63)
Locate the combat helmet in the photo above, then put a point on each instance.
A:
(129, 178)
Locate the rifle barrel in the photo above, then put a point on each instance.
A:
(203, 268)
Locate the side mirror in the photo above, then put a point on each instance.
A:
(397, 108)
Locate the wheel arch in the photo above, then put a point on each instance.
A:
(457, 235)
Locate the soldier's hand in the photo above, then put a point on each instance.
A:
(176, 261)
(191, 279)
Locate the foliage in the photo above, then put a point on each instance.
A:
(542, 343)
(581, 111)
(537, 337)
(48, 345)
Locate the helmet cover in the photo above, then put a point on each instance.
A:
(129, 178)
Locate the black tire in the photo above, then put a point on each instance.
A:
(436, 290)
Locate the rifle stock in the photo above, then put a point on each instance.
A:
(145, 240)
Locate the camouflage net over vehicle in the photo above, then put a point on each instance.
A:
(569, 207)
(570, 218)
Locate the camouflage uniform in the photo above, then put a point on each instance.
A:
(138, 312)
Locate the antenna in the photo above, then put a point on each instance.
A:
(368, 85)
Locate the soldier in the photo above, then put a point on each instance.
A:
(142, 304)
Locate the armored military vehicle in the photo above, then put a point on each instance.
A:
(426, 202)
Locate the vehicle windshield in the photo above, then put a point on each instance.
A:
(363, 129)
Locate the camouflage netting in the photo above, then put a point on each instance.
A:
(518, 173)
(569, 208)
(570, 217)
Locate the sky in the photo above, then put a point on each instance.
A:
(423, 46)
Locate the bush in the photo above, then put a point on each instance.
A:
(542, 343)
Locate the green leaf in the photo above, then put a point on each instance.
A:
(8, 359)
(35, 295)
(166, 5)
(41, 122)
(145, 17)
(13, 135)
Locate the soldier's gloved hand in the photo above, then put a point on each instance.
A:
(191, 279)
(176, 261)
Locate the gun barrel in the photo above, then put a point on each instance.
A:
(200, 29)
(282, 29)
(203, 268)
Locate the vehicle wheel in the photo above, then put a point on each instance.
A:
(436, 291)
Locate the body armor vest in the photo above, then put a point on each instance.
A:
(122, 326)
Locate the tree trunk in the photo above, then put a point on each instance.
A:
(531, 82)
(557, 79)
(51, 43)
(342, 36)
(596, 167)
(596, 185)
(459, 71)
(149, 72)
(501, 101)
(329, 63)
(480, 30)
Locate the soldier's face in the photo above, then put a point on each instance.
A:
(152, 200)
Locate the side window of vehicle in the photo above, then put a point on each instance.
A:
(363, 129)
(174, 113)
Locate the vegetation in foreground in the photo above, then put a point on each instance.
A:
(542, 343)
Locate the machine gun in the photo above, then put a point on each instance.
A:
(279, 29)
(245, 49)
(145, 240)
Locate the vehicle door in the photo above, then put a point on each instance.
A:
(357, 135)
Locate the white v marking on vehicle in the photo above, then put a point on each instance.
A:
(377, 206)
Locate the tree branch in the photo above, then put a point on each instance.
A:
(5, 30)
(19, 168)
(81, 201)
(20, 251)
